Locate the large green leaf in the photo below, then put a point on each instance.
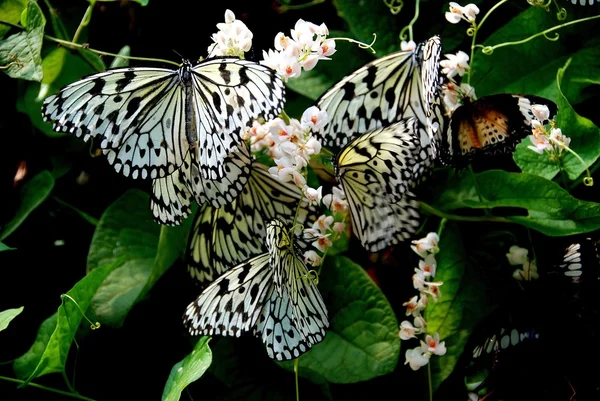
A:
(20, 53)
(49, 352)
(30, 196)
(190, 369)
(362, 340)
(585, 141)
(10, 10)
(6, 316)
(461, 305)
(513, 66)
(126, 229)
(545, 206)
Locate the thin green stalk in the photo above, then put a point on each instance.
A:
(490, 49)
(454, 217)
(92, 220)
(430, 381)
(84, 22)
(475, 28)
(296, 379)
(54, 390)
(410, 24)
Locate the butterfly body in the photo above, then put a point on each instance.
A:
(148, 118)
(491, 125)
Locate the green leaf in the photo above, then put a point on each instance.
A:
(362, 340)
(10, 10)
(4, 247)
(585, 141)
(120, 61)
(20, 53)
(126, 229)
(6, 316)
(190, 369)
(461, 305)
(142, 2)
(546, 207)
(510, 68)
(365, 18)
(93, 59)
(31, 195)
(53, 64)
(51, 347)
(30, 102)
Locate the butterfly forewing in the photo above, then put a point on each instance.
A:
(148, 118)
(223, 237)
(376, 171)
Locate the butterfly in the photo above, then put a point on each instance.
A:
(397, 86)
(172, 195)
(224, 237)
(271, 295)
(377, 171)
(148, 119)
(490, 125)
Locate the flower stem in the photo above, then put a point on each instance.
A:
(296, 379)
(454, 217)
(84, 22)
(410, 24)
(54, 390)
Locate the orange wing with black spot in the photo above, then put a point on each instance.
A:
(490, 125)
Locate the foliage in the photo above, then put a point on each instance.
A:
(133, 266)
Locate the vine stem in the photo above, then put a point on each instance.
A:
(410, 24)
(448, 216)
(296, 379)
(544, 33)
(54, 390)
(476, 28)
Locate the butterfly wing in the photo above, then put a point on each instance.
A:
(377, 170)
(490, 125)
(232, 304)
(295, 318)
(172, 195)
(134, 110)
(230, 93)
(223, 237)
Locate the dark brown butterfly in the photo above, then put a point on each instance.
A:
(489, 125)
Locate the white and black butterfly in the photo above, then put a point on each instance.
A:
(490, 125)
(377, 170)
(583, 2)
(172, 195)
(397, 86)
(148, 119)
(224, 237)
(272, 296)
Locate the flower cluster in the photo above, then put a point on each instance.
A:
(417, 357)
(458, 13)
(233, 38)
(307, 45)
(518, 256)
(552, 142)
(324, 232)
(290, 145)
(453, 95)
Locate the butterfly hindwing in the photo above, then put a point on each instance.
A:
(147, 119)
(489, 125)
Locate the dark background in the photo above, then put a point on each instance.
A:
(133, 362)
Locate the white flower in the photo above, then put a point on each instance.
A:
(408, 331)
(425, 245)
(527, 273)
(428, 266)
(556, 135)
(336, 201)
(323, 223)
(233, 38)
(339, 227)
(313, 195)
(540, 143)
(456, 64)
(312, 258)
(416, 358)
(322, 243)
(433, 345)
(458, 12)
(408, 46)
(540, 112)
(517, 255)
(314, 119)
